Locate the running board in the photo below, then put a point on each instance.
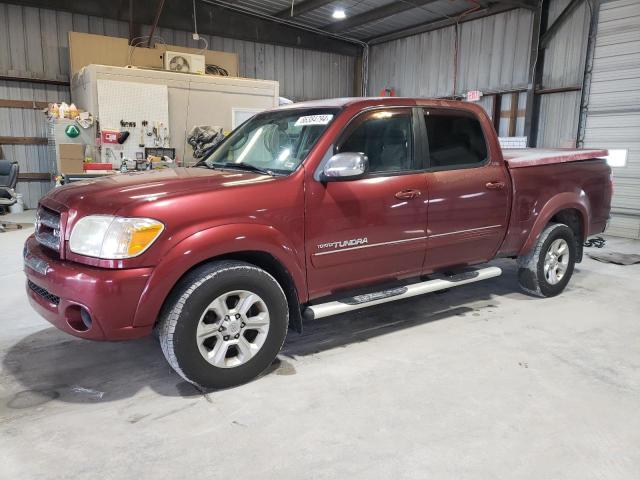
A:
(376, 298)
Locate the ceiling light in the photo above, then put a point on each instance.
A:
(339, 14)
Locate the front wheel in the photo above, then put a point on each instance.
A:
(546, 270)
(224, 324)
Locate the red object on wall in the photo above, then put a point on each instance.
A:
(388, 92)
(109, 136)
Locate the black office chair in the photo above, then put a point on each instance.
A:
(8, 180)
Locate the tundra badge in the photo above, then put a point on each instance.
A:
(354, 242)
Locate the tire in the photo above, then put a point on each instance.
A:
(537, 280)
(201, 337)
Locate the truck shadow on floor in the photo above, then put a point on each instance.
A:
(361, 325)
(50, 364)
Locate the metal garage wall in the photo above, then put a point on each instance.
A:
(421, 65)
(494, 52)
(34, 44)
(493, 56)
(613, 118)
(563, 67)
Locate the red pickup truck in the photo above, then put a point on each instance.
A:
(306, 211)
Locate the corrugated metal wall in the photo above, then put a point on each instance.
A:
(493, 56)
(421, 65)
(494, 52)
(34, 43)
(613, 118)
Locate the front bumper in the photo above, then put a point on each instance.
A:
(59, 290)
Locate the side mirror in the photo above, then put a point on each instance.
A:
(345, 166)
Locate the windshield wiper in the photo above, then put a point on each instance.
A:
(246, 166)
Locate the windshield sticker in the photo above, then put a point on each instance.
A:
(313, 120)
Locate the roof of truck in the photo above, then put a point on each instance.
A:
(528, 157)
(374, 101)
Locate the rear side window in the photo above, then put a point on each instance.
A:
(385, 136)
(455, 139)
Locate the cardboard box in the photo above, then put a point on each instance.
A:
(87, 48)
(146, 58)
(70, 158)
(71, 150)
(70, 165)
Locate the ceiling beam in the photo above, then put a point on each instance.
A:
(438, 24)
(529, 4)
(302, 7)
(375, 14)
(555, 26)
(155, 21)
(213, 19)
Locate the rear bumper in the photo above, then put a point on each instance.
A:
(58, 290)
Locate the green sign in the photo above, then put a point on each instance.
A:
(72, 131)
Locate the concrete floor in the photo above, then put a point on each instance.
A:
(481, 382)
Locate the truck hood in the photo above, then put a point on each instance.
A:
(110, 194)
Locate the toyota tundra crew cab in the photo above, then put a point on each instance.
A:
(303, 212)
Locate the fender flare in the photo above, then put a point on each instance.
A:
(210, 243)
(562, 201)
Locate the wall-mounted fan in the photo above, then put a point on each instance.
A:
(184, 62)
(179, 64)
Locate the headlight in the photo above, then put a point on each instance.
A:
(109, 237)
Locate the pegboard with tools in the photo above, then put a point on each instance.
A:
(133, 116)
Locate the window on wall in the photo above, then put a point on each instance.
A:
(385, 137)
(507, 111)
(455, 139)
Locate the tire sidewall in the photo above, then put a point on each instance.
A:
(558, 231)
(194, 367)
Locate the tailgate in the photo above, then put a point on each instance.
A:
(530, 157)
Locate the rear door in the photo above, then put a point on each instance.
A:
(469, 193)
(373, 228)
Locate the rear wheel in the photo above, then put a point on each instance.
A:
(224, 324)
(546, 270)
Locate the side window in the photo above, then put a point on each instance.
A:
(385, 136)
(455, 139)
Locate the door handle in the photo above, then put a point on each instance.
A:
(408, 194)
(494, 185)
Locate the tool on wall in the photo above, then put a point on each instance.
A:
(142, 133)
(161, 134)
(122, 136)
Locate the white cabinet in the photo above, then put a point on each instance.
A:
(192, 99)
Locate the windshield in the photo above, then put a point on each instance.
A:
(276, 141)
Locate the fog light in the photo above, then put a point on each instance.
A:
(86, 318)
(78, 318)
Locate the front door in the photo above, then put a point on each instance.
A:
(373, 228)
(469, 193)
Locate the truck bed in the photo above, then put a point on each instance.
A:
(529, 157)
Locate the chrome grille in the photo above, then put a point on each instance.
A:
(50, 297)
(48, 228)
